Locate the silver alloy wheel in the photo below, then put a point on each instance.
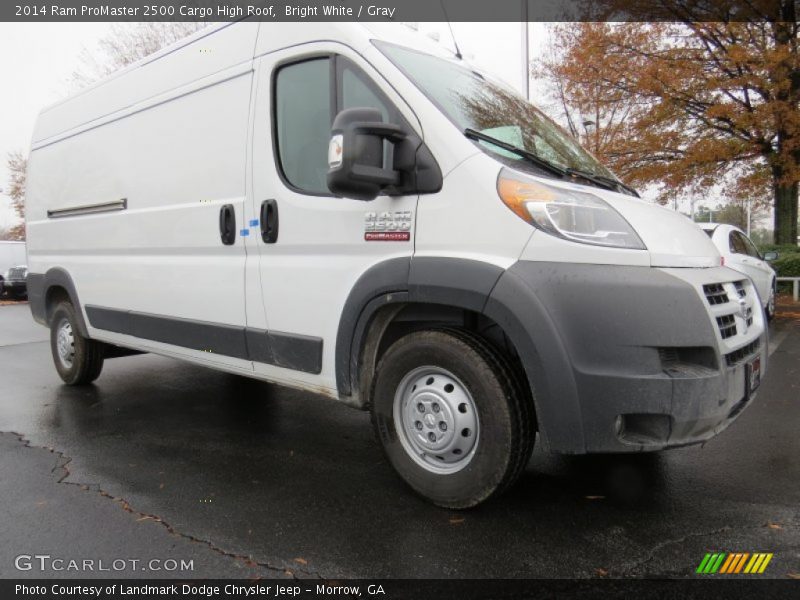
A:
(65, 343)
(436, 420)
(771, 302)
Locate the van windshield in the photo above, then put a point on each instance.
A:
(473, 102)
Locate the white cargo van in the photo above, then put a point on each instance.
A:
(352, 211)
(12, 254)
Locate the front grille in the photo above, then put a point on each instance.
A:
(16, 273)
(715, 294)
(732, 303)
(727, 326)
(737, 356)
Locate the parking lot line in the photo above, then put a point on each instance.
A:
(774, 343)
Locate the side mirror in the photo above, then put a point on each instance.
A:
(356, 166)
(770, 256)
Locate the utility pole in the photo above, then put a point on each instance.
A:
(749, 213)
(526, 84)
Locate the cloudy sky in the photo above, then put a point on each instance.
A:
(38, 59)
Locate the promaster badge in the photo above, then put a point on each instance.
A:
(388, 226)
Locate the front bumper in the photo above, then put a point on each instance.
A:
(631, 358)
(685, 404)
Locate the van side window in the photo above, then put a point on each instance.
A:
(303, 123)
(355, 92)
(305, 106)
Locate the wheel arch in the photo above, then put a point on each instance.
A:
(46, 290)
(475, 290)
(402, 295)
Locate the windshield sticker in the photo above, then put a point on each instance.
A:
(510, 134)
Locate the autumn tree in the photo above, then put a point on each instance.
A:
(704, 102)
(17, 167)
(733, 213)
(126, 43)
(594, 114)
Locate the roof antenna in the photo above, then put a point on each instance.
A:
(455, 43)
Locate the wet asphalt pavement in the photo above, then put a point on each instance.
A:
(164, 460)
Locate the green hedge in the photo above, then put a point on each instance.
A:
(782, 250)
(787, 265)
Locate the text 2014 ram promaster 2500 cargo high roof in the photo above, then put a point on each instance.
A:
(351, 210)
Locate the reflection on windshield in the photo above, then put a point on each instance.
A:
(472, 102)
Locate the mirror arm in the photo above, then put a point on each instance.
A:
(389, 131)
(357, 161)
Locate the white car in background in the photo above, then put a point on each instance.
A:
(741, 254)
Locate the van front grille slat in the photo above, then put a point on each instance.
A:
(727, 326)
(735, 357)
(715, 294)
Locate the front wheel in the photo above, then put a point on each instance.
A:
(78, 359)
(452, 417)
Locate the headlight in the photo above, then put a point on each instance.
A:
(575, 216)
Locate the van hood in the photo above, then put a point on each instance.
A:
(671, 238)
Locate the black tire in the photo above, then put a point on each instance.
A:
(770, 308)
(504, 410)
(88, 355)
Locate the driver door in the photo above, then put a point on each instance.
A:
(308, 267)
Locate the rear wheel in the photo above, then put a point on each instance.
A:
(452, 417)
(78, 359)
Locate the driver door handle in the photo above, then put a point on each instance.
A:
(269, 221)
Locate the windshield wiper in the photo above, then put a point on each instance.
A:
(599, 180)
(530, 156)
(603, 181)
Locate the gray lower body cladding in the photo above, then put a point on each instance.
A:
(620, 358)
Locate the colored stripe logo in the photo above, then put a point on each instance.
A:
(734, 563)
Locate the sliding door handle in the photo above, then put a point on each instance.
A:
(227, 224)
